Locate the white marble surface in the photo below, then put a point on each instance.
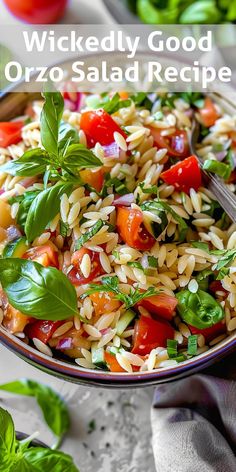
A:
(121, 441)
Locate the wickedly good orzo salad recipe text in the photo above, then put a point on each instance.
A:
(113, 251)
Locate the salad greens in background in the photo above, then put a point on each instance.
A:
(19, 456)
(184, 11)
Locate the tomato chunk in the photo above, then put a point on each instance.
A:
(99, 127)
(104, 303)
(44, 255)
(162, 305)
(94, 178)
(216, 286)
(112, 363)
(149, 334)
(208, 113)
(209, 333)
(42, 330)
(131, 230)
(184, 175)
(175, 143)
(10, 132)
(14, 320)
(75, 275)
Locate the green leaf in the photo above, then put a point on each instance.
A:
(113, 105)
(7, 440)
(53, 407)
(64, 228)
(33, 162)
(38, 459)
(43, 209)
(183, 227)
(89, 234)
(25, 202)
(111, 284)
(200, 245)
(50, 121)
(227, 257)
(67, 133)
(41, 292)
(78, 157)
(141, 99)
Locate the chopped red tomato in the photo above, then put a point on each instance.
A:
(162, 305)
(94, 178)
(175, 143)
(104, 302)
(208, 113)
(14, 320)
(99, 127)
(42, 330)
(149, 334)
(44, 255)
(209, 333)
(131, 230)
(75, 275)
(184, 175)
(10, 132)
(216, 286)
(112, 363)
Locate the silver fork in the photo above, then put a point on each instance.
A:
(225, 197)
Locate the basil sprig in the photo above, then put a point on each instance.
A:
(18, 456)
(53, 407)
(41, 292)
(43, 209)
(89, 234)
(63, 156)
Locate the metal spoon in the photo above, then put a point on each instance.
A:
(225, 197)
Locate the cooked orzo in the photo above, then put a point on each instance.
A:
(113, 251)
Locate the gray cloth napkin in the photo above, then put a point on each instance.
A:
(194, 422)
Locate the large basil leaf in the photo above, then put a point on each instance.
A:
(33, 162)
(7, 440)
(41, 292)
(38, 459)
(54, 409)
(78, 157)
(43, 209)
(67, 134)
(50, 120)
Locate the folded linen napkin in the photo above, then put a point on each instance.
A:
(194, 422)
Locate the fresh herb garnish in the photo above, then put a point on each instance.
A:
(64, 228)
(152, 261)
(43, 209)
(25, 202)
(141, 99)
(89, 234)
(41, 292)
(111, 284)
(192, 345)
(113, 105)
(153, 189)
(53, 407)
(18, 456)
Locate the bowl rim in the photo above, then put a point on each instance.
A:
(74, 373)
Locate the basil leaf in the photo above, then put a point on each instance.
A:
(183, 227)
(89, 234)
(54, 409)
(41, 292)
(7, 440)
(228, 257)
(78, 157)
(25, 202)
(141, 99)
(33, 162)
(38, 459)
(50, 120)
(43, 209)
(67, 134)
(115, 104)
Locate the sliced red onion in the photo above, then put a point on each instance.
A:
(124, 200)
(189, 112)
(105, 331)
(65, 343)
(77, 104)
(2, 191)
(111, 151)
(28, 181)
(13, 233)
(220, 155)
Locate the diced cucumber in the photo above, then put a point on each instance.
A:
(113, 350)
(15, 248)
(124, 321)
(153, 227)
(98, 357)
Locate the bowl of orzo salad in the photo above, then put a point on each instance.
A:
(117, 263)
